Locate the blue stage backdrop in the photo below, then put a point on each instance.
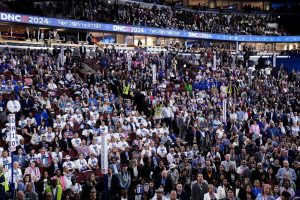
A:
(94, 26)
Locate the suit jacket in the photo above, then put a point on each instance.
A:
(111, 166)
(157, 171)
(130, 170)
(145, 172)
(256, 174)
(90, 40)
(27, 104)
(124, 159)
(51, 169)
(197, 192)
(27, 35)
(183, 196)
(260, 156)
(152, 162)
(228, 164)
(82, 49)
(208, 178)
(207, 196)
(64, 144)
(180, 122)
(168, 184)
(115, 184)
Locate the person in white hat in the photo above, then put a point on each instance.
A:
(159, 195)
(69, 164)
(173, 173)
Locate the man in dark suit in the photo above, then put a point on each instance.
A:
(165, 181)
(199, 188)
(90, 39)
(209, 175)
(111, 185)
(55, 165)
(82, 51)
(159, 168)
(114, 166)
(259, 173)
(27, 34)
(65, 143)
(26, 104)
(181, 126)
(24, 147)
(125, 156)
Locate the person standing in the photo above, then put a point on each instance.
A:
(167, 115)
(3, 183)
(29, 194)
(181, 125)
(90, 39)
(54, 189)
(199, 188)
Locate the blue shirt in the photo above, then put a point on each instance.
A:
(261, 197)
(283, 170)
(256, 191)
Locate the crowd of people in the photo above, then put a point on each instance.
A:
(132, 13)
(168, 135)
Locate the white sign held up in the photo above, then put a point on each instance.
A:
(12, 132)
(104, 155)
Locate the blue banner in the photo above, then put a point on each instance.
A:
(94, 26)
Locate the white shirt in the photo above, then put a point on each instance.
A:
(76, 188)
(146, 152)
(122, 145)
(78, 117)
(207, 196)
(49, 136)
(233, 116)
(170, 158)
(221, 193)
(6, 162)
(95, 149)
(52, 86)
(103, 129)
(161, 151)
(56, 155)
(76, 142)
(81, 165)
(69, 164)
(93, 162)
(167, 112)
(59, 124)
(112, 145)
(18, 176)
(86, 132)
(32, 120)
(142, 132)
(69, 76)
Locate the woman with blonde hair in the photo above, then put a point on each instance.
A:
(210, 195)
(266, 193)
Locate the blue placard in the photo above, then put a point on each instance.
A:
(76, 24)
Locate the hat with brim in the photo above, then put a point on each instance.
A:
(172, 166)
(159, 190)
